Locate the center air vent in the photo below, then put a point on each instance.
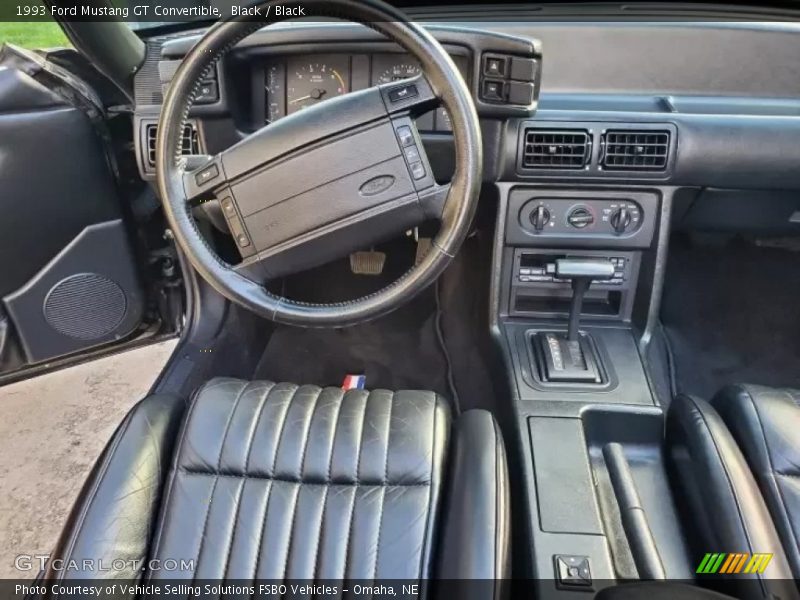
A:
(635, 150)
(190, 142)
(556, 149)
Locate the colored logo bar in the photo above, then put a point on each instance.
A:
(734, 562)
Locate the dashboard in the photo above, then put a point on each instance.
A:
(595, 82)
(294, 82)
(277, 72)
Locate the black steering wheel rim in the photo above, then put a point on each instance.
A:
(459, 209)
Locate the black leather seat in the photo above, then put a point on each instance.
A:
(723, 508)
(766, 425)
(258, 480)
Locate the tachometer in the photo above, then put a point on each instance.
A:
(310, 81)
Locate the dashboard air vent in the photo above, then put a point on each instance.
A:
(636, 150)
(191, 142)
(556, 149)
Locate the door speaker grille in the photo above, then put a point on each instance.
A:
(85, 306)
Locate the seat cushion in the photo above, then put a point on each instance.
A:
(279, 481)
(766, 425)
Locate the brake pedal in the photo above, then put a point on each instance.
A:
(367, 262)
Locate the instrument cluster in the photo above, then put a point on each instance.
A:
(295, 82)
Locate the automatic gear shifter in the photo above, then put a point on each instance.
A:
(571, 358)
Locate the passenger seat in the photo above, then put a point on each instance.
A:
(766, 425)
(722, 509)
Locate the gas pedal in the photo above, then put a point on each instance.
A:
(423, 246)
(367, 262)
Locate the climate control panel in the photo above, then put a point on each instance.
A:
(564, 215)
(538, 217)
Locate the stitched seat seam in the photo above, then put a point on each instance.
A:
(216, 478)
(279, 434)
(307, 437)
(304, 482)
(383, 487)
(355, 497)
(430, 510)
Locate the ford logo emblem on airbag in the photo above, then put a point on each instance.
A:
(376, 185)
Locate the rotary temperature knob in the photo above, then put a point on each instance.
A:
(540, 217)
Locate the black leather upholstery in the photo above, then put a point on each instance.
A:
(766, 425)
(478, 505)
(723, 507)
(278, 481)
(116, 510)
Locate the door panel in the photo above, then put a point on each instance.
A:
(68, 277)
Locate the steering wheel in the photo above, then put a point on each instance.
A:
(324, 181)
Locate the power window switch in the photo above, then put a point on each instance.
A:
(417, 170)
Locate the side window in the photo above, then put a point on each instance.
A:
(37, 33)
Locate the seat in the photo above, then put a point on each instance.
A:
(274, 481)
(721, 505)
(766, 425)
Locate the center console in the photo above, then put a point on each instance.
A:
(569, 261)
(576, 281)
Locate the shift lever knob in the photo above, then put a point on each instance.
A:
(584, 267)
(582, 271)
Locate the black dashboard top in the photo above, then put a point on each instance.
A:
(735, 129)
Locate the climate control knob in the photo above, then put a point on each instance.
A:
(580, 217)
(540, 217)
(620, 219)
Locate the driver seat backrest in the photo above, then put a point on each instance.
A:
(330, 484)
(283, 482)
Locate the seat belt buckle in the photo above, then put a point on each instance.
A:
(354, 382)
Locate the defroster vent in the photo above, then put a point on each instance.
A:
(190, 145)
(636, 150)
(556, 149)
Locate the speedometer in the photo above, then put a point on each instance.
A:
(310, 81)
(398, 71)
(387, 68)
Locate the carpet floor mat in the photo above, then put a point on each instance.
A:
(731, 314)
(401, 350)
